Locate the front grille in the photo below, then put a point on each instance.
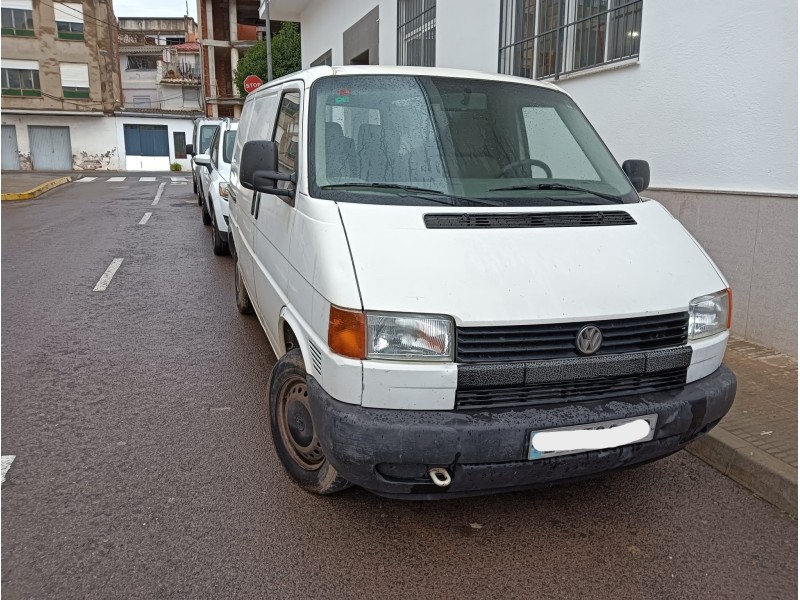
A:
(557, 340)
(571, 391)
(528, 220)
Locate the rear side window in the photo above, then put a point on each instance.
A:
(287, 134)
(206, 133)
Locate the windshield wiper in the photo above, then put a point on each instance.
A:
(418, 190)
(559, 186)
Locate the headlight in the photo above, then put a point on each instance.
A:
(709, 314)
(409, 337)
(223, 190)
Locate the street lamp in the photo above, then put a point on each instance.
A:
(265, 6)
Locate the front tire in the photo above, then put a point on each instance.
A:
(293, 432)
(243, 303)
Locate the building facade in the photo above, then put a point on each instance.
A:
(160, 64)
(227, 28)
(62, 98)
(706, 92)
(59, 65)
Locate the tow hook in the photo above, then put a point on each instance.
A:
(439, 476)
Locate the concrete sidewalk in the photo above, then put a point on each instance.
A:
(24, 185)
(756, 443)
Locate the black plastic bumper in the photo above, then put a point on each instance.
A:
(389, 451)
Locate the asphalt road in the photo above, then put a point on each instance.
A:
(144, 466)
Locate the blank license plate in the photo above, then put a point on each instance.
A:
(592, 436)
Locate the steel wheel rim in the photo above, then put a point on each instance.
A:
(296, 426)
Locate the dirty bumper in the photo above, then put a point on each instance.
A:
(390, 451)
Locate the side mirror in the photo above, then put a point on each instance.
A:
(638, 171)
(190, 149)
(203, 159)
(258, 169)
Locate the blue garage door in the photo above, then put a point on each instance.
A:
(146, 140)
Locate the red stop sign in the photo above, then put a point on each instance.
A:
(252, 83)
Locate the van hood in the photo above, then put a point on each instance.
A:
(526, 275)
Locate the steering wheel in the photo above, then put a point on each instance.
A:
(525, 162)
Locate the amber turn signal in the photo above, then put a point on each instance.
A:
(730, 306)
(346, 332)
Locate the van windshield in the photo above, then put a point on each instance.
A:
(417, 140)
(206, 133)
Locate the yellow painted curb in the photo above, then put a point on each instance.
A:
(38, 190)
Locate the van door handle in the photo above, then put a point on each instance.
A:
(258, 206)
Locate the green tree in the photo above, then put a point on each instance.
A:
(285, 56)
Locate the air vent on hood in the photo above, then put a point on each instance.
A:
(525, 220)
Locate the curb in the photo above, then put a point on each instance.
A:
(38, 190)
(763, 474)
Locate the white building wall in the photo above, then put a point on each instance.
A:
(467, 34)
(98, 143)
(324, 22)
(153, 163)
(93, 139)
(712, 104)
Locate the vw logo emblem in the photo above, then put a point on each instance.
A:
(588, 340)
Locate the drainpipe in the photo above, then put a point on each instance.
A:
(269, 40)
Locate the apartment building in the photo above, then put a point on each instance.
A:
(160, 65)
(62, 99)
(705, 91)
(59, 78)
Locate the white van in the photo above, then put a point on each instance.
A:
(465, 291)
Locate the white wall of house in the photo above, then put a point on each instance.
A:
(154, 163)
(712, 103)
(93, 139)
(467, 34)
(324, 22)
(98, 142)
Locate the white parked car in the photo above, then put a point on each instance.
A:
(201, 139)
(215, 168)
(465, 291)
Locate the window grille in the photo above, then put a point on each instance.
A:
(549, 38)
(416, 33)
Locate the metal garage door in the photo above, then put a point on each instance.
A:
(10, 155)
(146, 147)
(51, 149)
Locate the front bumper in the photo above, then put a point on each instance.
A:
(389, 451)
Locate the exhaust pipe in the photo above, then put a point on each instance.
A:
(439, 476)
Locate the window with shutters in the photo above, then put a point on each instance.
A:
(20, 78)
(18, 18)
(69, 20)
(545, 39)
(75, 80)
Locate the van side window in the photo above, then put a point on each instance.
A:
(287, 134)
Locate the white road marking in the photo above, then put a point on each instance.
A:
(159, 192)
(103, 282)
(5, 465)
(86, 179)
(178, 178)
(145, 218)
(115, 179)
(147, 178)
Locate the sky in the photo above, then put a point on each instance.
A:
(154, 8)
